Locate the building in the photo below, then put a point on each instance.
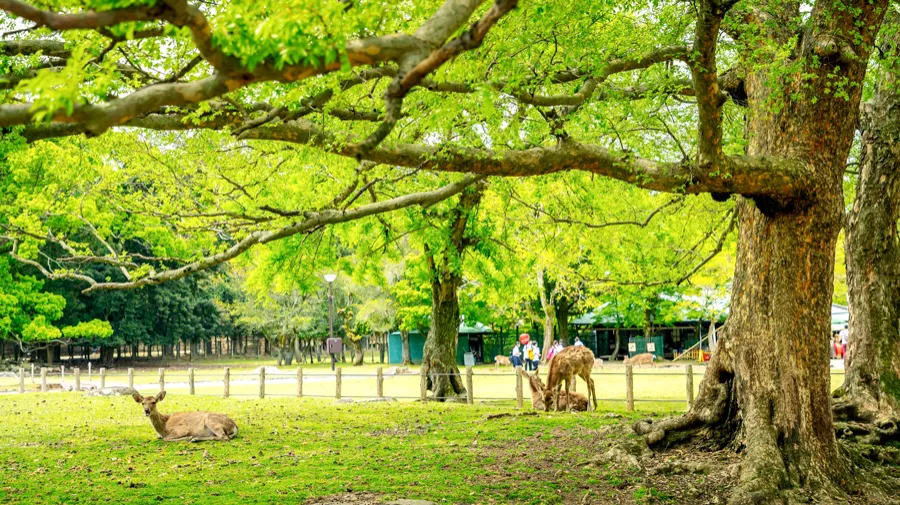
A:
(478, 339)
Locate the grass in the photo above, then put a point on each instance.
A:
(69, 448)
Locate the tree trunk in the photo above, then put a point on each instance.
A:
(439, 356)
(404, 346)
(615, 354)
(381, 346)
(357, 352)
(546, 292)
(767, 390)
(562, 310)
(871, 390)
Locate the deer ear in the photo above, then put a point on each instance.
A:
(160, 396)
(138, 398)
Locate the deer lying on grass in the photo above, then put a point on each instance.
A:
(579, 401)
(191, 426)
(565, 365)
(641, 359)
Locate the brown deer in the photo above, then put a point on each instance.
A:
(579, 401)
(641, 359)
(566, 364)
(501, 361)
(190, 426)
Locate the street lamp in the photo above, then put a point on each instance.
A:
(329, 278)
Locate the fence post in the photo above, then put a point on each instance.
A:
(262, 380)
(77, 379)
(162, 379)
(629, 388)
(102, 378)
(190, 380)
(131, 378)
(689, 384)
(423, 385)
(43, 380)
(519, 403)
(226, 380)
(379, 384)
(470, 394)
(21, 380)
(337, 384)
(300, 382)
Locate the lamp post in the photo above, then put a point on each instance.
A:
(329, 278)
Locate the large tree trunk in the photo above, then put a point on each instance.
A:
(439, 355)
(871, 389)
(768, 385)
(404, 346)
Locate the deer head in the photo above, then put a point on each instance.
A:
(149, 402)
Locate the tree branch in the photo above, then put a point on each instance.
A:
(750, 176)
(311, 221)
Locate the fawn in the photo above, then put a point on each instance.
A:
(191, 426)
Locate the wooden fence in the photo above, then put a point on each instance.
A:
(295, 380)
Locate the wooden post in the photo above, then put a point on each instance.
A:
(22, 379)
(43, 380)
(379, 384)
(689, 384)
(102, 378)
(519, 402)
(300, 382)
(226, 381)
(77, 379)
(162, 379)
(262, 380)
(131, 377)
(337, 384)
(423, 385)
(191, 380)
(470, 394)
(629, 388)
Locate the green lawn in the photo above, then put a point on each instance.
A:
(69, 448)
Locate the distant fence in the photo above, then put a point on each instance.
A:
(505, 386)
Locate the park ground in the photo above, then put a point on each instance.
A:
(69, 448)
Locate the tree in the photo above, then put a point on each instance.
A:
(774, 130)
(871, 389)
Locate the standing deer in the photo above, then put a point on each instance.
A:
(192, 426)
(501, 361)
(565, 365)
(579, 401)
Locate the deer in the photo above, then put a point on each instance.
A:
(579, 401)
(565, 365)
(501, 361)
(598, 363)
(641, 359)
(186, 426)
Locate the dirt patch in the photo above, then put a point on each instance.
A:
(346, 499)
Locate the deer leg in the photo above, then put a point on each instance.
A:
(568, 400)
(178, 439)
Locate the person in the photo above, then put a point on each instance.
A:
(516, 357)
(845, 335)
(578, 342)
(537, 356)
(837, 349)
(529, 355)
(552, 351)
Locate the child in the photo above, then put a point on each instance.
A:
(516, 357)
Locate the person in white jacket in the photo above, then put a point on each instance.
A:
(537, 357)
(516, 356)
